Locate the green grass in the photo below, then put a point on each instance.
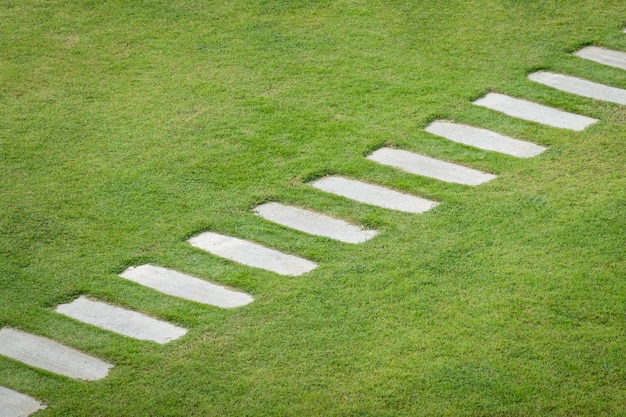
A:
(128, 126)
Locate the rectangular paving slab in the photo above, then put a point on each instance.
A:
(603, 56)
(484, 139)
(184, 286)
(125, 322)
(535, 112)
(374, 195)
(429, 167)
(15, 404)
(252, 254)
(52, 356)
(580, 87)
(313, 223)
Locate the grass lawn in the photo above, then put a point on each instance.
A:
(127, 127)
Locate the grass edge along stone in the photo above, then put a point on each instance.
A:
(609, 57)
(580, 87)
(16, 404)
(43, 353)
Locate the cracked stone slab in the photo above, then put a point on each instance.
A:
(40, 352)
(313, 223)
(374, 195)
(580, 87)
(429, 167)
(125, 322)
(484, 139)
(177, 284)
(534, 112)
(15, 404)
(603, 56)
(252, 254)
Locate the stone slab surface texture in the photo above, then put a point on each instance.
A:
(484, 139)
(535, 112)
(52, 356)
(184, 286)
(125, 322)
(429, 167)
(15, 404)
(313, 223)
(252, 254)
(580, 87)
(373, 194)
(603, 56)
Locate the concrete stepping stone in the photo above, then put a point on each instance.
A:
(603, 56)
(170, 282)
(429, 167)
(313, 223)
(374, 195)
(52, 356)
(535, 112)
(14, 404)
(252, 254)
(484, 139)
(125, 322)
(580, 87)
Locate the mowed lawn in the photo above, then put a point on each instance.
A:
(127, 127)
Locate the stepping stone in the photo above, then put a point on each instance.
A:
(14, 404)
(484, 139)
(175, 283)
(429, 167)
(118, 320)
(374, 195)
(52, 356)
(252, 254)
(534, 112)
(580, 87)
(313, 223)
(603, 56)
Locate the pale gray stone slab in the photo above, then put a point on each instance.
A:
(484, 139)
(15, 404)
(429, 167)
(580, 87)
(603, 56)
(125, 322)
(252, 254)
(52, 356)
(313, 223)
(374, 195)
(535, 112)
(184, 286)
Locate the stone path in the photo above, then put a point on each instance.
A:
(52, 356)
(534, 112)
(580, 87)
(252, 254)
(429, 167)
(313, 223)
(118, 320)
(14, 404)
(184, 286)
(373, 194)
(484, 139)
(603, 56)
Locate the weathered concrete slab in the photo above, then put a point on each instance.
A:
(52, 356)
(252, 254)
(603, 56)
(373, 194)
(580, 87)
(14, 404)
(429, 167)
(484, 139)
(125, 322)
(535, 112)
(313, 223)
(184, 286)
